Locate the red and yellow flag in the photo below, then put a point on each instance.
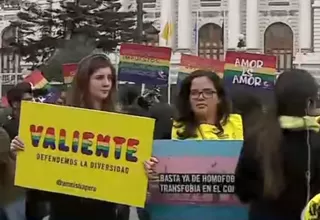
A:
(36, 79)
(69, 70)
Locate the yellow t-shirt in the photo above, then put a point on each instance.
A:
(311, 211)
(233, 130)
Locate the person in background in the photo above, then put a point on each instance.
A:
(12, 202)
(94, 87)
(163, 114)
(128, 95)
(23, 92)
(278, 169)
(62, 98)
(20, 92)
(128, 99)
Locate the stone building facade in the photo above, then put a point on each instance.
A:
(289, 29)
(210, 27)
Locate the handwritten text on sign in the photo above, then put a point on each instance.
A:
(247, 77)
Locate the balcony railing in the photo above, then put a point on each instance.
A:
(10, 5)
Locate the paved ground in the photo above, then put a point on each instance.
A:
(133, 214)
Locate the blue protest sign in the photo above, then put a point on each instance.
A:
(196, 181)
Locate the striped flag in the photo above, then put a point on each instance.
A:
(37, 80)
(69, 70)
(43, 91)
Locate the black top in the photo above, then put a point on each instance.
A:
(65, 207)
(12, 127)
(290, 203)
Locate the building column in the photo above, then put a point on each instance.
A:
(167, 17)
(305, 22)
(316, 26)
(124, 5)
(185, 26)
(234, 23)
(252, 31)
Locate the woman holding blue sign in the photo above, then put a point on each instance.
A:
(278, 169)
(94, 87)
(204, 113)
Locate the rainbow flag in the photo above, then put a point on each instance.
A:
(190, 63)
(69, 70)
(37, 80)
(248, 72)
(144, 64)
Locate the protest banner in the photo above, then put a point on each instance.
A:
(98, 157)
(196, 179)
(144, 64)
(248, 72)
(190, 63)
(69, 70)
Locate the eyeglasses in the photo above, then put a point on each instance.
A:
(206, 93)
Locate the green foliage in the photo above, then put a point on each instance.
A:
(44, 30)
(72, 51)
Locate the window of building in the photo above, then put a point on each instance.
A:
(149, 4)
(210, 3)
(9, 36)
(210, 43)
(278, 41)
(151, 36)
(279, 3)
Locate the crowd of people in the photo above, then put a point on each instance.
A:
(278, 170)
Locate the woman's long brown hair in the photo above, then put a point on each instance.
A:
(78, 95)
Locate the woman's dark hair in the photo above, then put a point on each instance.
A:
(185, 116)
(78, 95)
(128, 95)
(295, 91)
(16, 93)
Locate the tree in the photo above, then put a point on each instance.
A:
(44, 29)
(72, 51)
(36, 38)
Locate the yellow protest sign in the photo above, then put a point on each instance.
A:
(84, 153)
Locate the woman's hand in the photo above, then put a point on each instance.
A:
(150, 168)
(15, 146)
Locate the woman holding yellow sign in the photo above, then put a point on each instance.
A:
(93, 87)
